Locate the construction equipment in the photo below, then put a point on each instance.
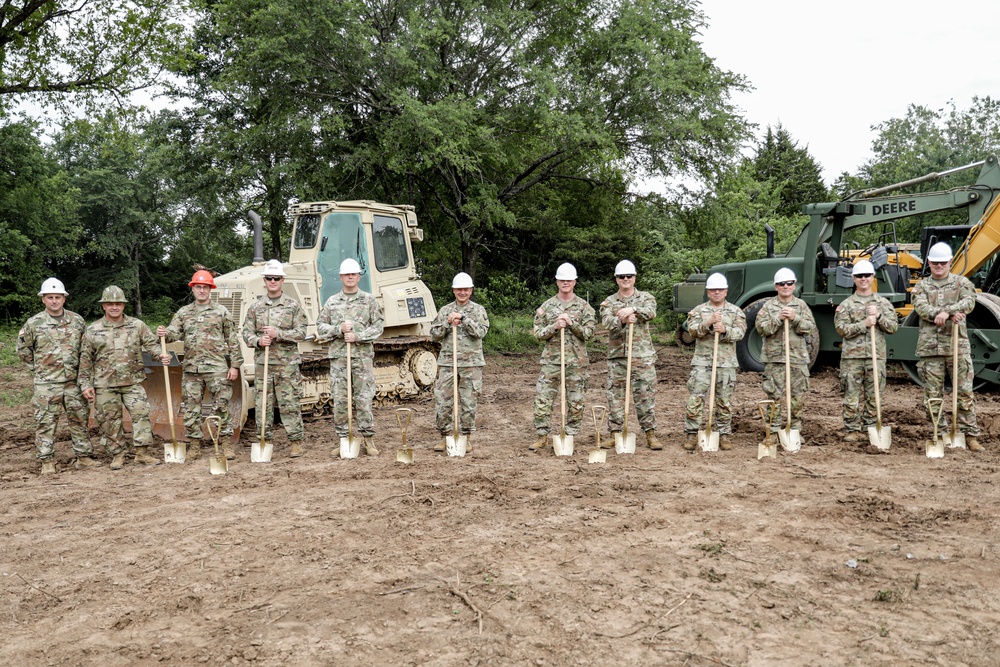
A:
(790, 438)
(822, 254)
(935, 448)
(625, 441)
(766, 449)
(173, 452)
(380, 237)
(404, 454)
(956, 439)
(456, 443)
(878, 435)
(350, 445)
(261, 451)
(598, 454)
(562, 444)
(217, 464)
(708, 440)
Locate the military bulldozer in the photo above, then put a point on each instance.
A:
(824, 251)
(380, 237)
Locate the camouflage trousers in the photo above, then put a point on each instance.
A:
(547, 395)
(363, 388)
(699, 384)
(108, 405)
(49, 401)
(857, 382)
(643, 392)
(193, 386)
(773, 385)
(470, 386)
(932, 371)
(284, 384)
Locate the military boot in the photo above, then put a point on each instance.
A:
(193, 450)
(724, 443)
(142, 456)
(48, 467)
(85, 462)
(295, 449)
(690, 442)
(651, 440)
(972, 442)
(468, 443)
(853, 436)
(443, 445)
(370, 446)
(118, 462)
(229, 449)
(539, 444)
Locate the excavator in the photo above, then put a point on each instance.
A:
(822, 256)
(380, 237)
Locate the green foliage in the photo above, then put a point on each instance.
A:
(792, 170)
(511, 334)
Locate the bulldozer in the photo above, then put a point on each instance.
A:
(380, 237)
(822, 257)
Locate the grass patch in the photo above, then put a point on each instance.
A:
(8, 345)
(511, 334)
(17, 383)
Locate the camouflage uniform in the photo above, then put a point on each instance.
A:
(284, 381)
(700, 380)
(211, 348)
(772, 330)
(857, 380)
(364, 311)
(111, 365)
(471, 331)
(643, 359)
(952, 295)
(50, 346)
(577, 334)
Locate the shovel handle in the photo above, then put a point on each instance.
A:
(933, 403)
(788, 378)
(766, 409)
(210, 421)
(628, 379)
(404, 424)
(454, 380)
(954, 379)
(562, 377)
(263, 397)
(170, 400)
(600, 413)
(711, 387)
(350, 395)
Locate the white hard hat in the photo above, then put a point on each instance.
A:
(566, 272)
(625, 268)
(939, 252)
(716, 281)
(784, 275)
(862, 267)
(273, 267)
(53, 286)
(349, 265)
(462, 281)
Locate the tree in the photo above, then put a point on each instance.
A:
(791, 169)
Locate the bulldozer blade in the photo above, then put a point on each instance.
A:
(174, 452)
(880, 436)
(260, 452)
(404, 456)
(597, 456)
(790, 439)
(769, 450)
(562, 445)
(456, 446)
(934, 448)
(624, 443)
(350, 447)
(156, 395)
(708, 441)
(955, 440)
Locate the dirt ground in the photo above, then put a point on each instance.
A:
(826, 557)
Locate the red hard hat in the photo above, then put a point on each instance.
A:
(202, 278)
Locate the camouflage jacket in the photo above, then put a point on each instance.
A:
(111, 353)
(645, 310)
(471, 332)
(51, 346)
(584, 323)
(952, 295)
(284, 314)
(850, 323)
(363, 310)
(772, 329)
(209, 335)
(736, 327)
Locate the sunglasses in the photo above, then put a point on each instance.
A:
(864, 275)
(626, 276)
(937, 263)
(273, 279)
(785, 283)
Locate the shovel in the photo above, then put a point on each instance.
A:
(955, 439)
(878, 435)
(562, 444)
(790, 438)
(173, 452)
(708, 440)
(404, 454)
(455, 444)
(935, 448)
(625, 441)
(260, 452)
(350, 446)
(217, 465)
(767, 449)
(597, 454)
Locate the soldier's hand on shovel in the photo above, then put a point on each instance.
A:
(265, 341)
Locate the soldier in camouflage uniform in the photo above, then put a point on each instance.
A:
(770, 325)
(277, 321)
(703, 322)
(854, 320)
(112, 373)
(472, 323)
(943, 300)
(630, 306)
(49, 343)
(564, 311)
(212, 360)
(352, 316)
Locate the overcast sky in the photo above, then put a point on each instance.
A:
(828, 71)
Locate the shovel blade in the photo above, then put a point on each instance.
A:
(456, 446)
(174, 452)
(880, 437)
(708, 441)
(934, 449)
(955, 440)
(625, 443)
(790, 439)
(260, 452)
(404, 456)
(767, 451)
(597, 456)
(217, 465)
(562, 445)
(350, 447)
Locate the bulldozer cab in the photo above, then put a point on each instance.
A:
(339, 235)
